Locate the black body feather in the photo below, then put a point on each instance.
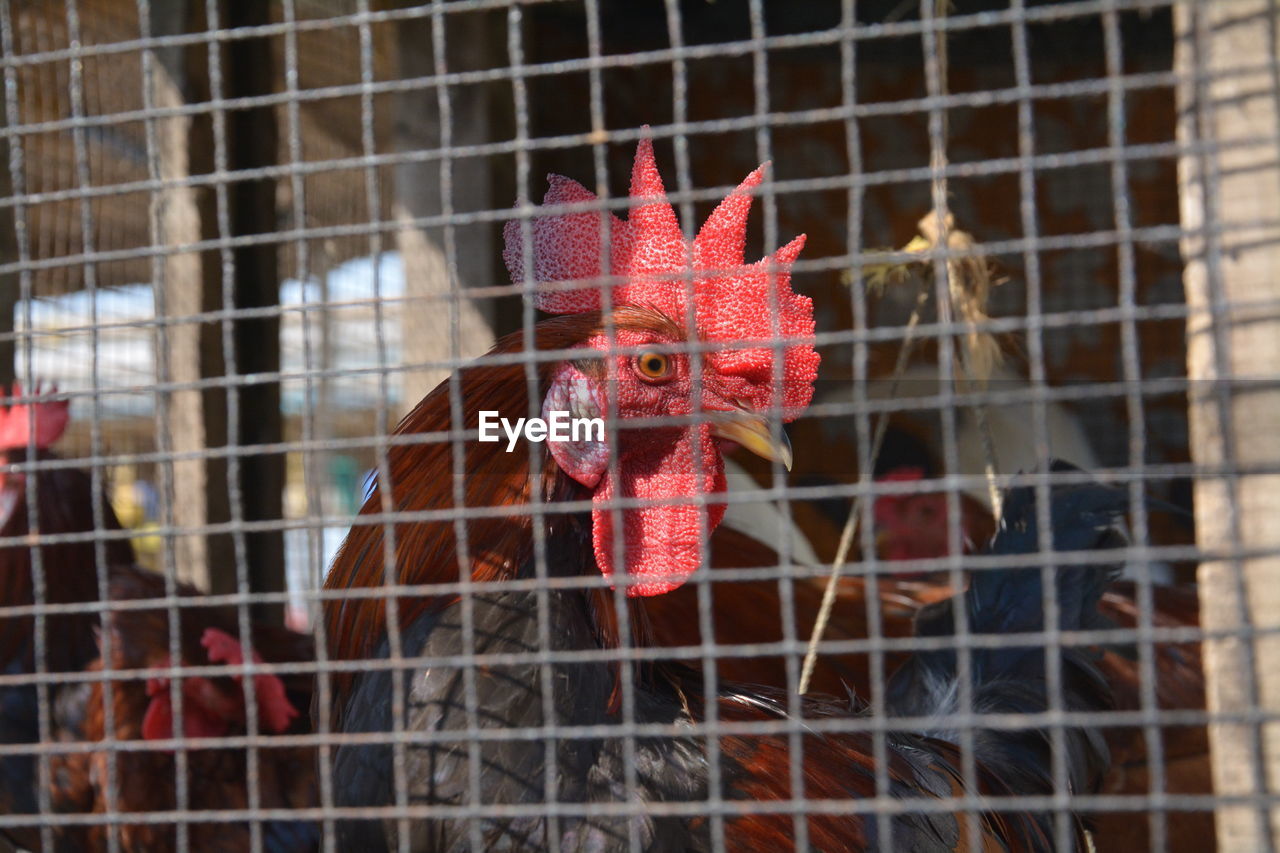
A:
(510, 696)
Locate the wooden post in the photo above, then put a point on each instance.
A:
(182, 291)
(8, 281)
(1230, 197)
(427, 318)
(8, 303)
(252, 144)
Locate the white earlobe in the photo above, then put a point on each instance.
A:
(584, 453)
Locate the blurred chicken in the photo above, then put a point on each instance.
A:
(913, 525)
(65, 501)
(1010, 601)
(64, 504)
(212, 706)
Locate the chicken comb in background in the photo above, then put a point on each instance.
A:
(210, 711)
(50, 419)
(651, 264)
(276, 710)
(914, 525)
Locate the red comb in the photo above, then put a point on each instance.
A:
(50, 419)
(276, 711)
(903, 474)
(732, 300)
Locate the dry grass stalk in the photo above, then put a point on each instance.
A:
(971, 278)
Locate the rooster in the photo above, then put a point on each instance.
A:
(1007, 602)
(1179, 680)
(642, 506)
(213, 706)
(913, 526)
(65, 504)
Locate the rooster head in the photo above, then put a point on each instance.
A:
(45, 421)
(914, 526)
(669, 301)
(211, 710)
(910, 526)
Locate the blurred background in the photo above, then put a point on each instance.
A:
(272, 210)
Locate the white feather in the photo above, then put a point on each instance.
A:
(1012, 429)
(764, 520)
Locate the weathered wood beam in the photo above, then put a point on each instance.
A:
(1230, 196)
(193, 490)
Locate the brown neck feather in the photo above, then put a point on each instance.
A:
(423, 478)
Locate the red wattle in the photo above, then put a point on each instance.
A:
(198, 720)
(663, 541)
(157, 723)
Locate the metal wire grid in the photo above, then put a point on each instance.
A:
(849, 35)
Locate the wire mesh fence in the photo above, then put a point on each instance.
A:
(951, 531)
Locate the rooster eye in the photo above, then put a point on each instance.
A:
(653, 365)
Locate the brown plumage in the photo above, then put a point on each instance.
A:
(65, 504)
(1179, 685)
(418, 740)
(928, 767)
(747, 612)
(216, 777)
(422, 476)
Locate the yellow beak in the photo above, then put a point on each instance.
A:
(752, 432)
